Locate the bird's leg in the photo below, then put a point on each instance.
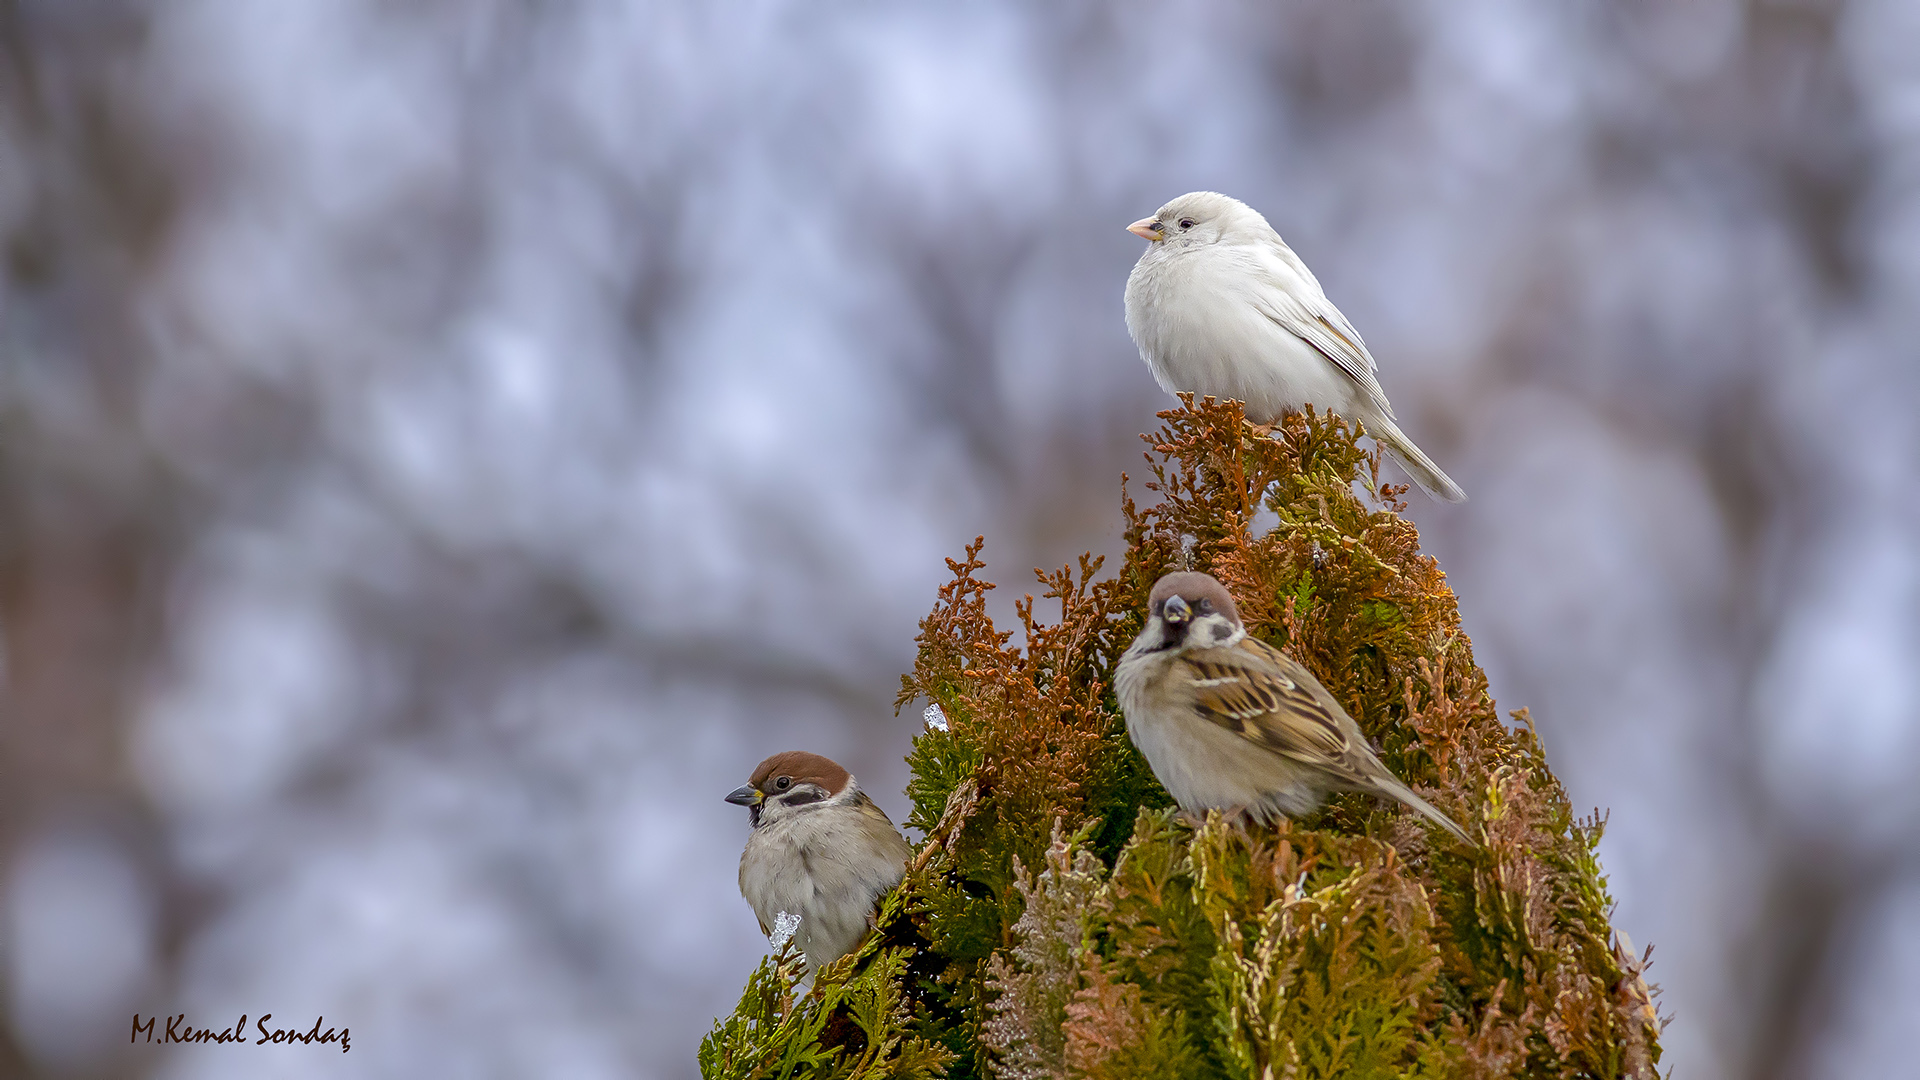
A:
(1242, 819)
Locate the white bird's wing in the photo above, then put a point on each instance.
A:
(1295, 302)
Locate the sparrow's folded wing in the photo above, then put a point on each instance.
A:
(878, 832)
(1306, 313)
(1257, 692)
(1262, 695)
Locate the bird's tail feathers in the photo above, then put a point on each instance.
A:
(1395, 789)
(1418, 465)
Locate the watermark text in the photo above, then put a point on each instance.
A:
(177, 1030)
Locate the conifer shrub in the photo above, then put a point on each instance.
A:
(1062, 920)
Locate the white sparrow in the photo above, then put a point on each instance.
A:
(1229, 722)
(1220, 305)
(820, 850)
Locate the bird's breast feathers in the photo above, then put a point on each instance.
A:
(827, 865)
(835, 846)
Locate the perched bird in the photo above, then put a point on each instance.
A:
(1220, 305)
(820, 850)
(1229, 722)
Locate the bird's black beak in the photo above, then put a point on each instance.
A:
(745, 795)
(1175, 611)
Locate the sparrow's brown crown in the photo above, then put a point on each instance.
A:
(798, 767)
(1193, 587)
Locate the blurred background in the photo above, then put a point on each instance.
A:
(443, 447)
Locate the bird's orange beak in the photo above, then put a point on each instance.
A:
(1146, 229)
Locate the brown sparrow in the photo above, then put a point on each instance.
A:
(820, 851)
(1229, 722)
(1220, 305)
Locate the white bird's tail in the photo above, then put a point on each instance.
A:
(1418, 465)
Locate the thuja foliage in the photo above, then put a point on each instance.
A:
(1062, 920)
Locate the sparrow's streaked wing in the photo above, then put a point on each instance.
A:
(1260, 694)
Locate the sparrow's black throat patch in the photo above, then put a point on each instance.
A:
(1172, 636)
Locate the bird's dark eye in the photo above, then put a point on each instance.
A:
(783, 783)
(1186, 223)
(1203, 607)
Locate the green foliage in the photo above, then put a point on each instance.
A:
(1060, 919)
(856, 1023)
